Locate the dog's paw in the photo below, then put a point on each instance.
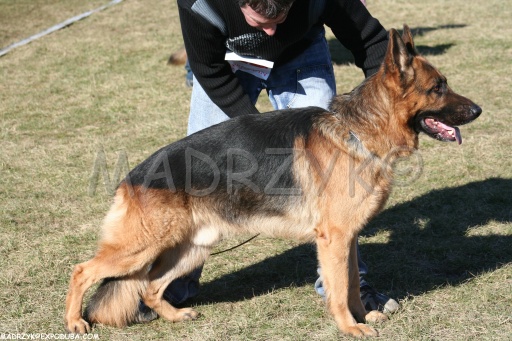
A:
(78, 326)
(186, 314)
(361, 330)
(375, 316)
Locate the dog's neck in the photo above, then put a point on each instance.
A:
(354, 144)
(353, 113)
(353, 137)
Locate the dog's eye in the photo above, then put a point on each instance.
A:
(438, 89)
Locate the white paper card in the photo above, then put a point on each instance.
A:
(257, 67)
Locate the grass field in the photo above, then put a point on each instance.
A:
(101, 89)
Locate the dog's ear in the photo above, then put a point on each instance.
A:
(398, 59)
(408, 41)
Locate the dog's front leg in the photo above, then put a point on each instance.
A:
(334, 247)
(354, 294)
(354, 299)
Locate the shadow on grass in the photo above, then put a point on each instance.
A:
(429, 246)
(342, 56)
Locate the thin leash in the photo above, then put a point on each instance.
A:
(234, 247)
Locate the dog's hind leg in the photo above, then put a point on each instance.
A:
(335, 251)
(172, 264)
(133, 237)
(110, 261)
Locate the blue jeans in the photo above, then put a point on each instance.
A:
(307, 80)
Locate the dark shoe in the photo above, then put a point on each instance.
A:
(145, 314)
(373, 300)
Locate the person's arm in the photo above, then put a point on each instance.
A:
(206, 51)
(359, 32)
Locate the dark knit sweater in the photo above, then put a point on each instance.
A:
(209, 33)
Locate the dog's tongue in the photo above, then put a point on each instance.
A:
(452, 131)
(458, 136)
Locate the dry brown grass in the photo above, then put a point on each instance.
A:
(442, 246)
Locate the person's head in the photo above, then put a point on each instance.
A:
(265, 15)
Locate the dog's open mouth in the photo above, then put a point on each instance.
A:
(441, 131)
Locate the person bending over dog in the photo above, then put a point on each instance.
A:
(291, 34)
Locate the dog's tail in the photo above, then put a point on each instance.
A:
(117, 303)
(178, 58)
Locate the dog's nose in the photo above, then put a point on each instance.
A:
(475, 110)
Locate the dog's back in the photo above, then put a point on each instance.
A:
(252, 138)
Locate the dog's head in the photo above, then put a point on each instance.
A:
(433, 108)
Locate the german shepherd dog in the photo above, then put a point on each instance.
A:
(308, 174)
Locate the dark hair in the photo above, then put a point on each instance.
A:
(270, 9)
